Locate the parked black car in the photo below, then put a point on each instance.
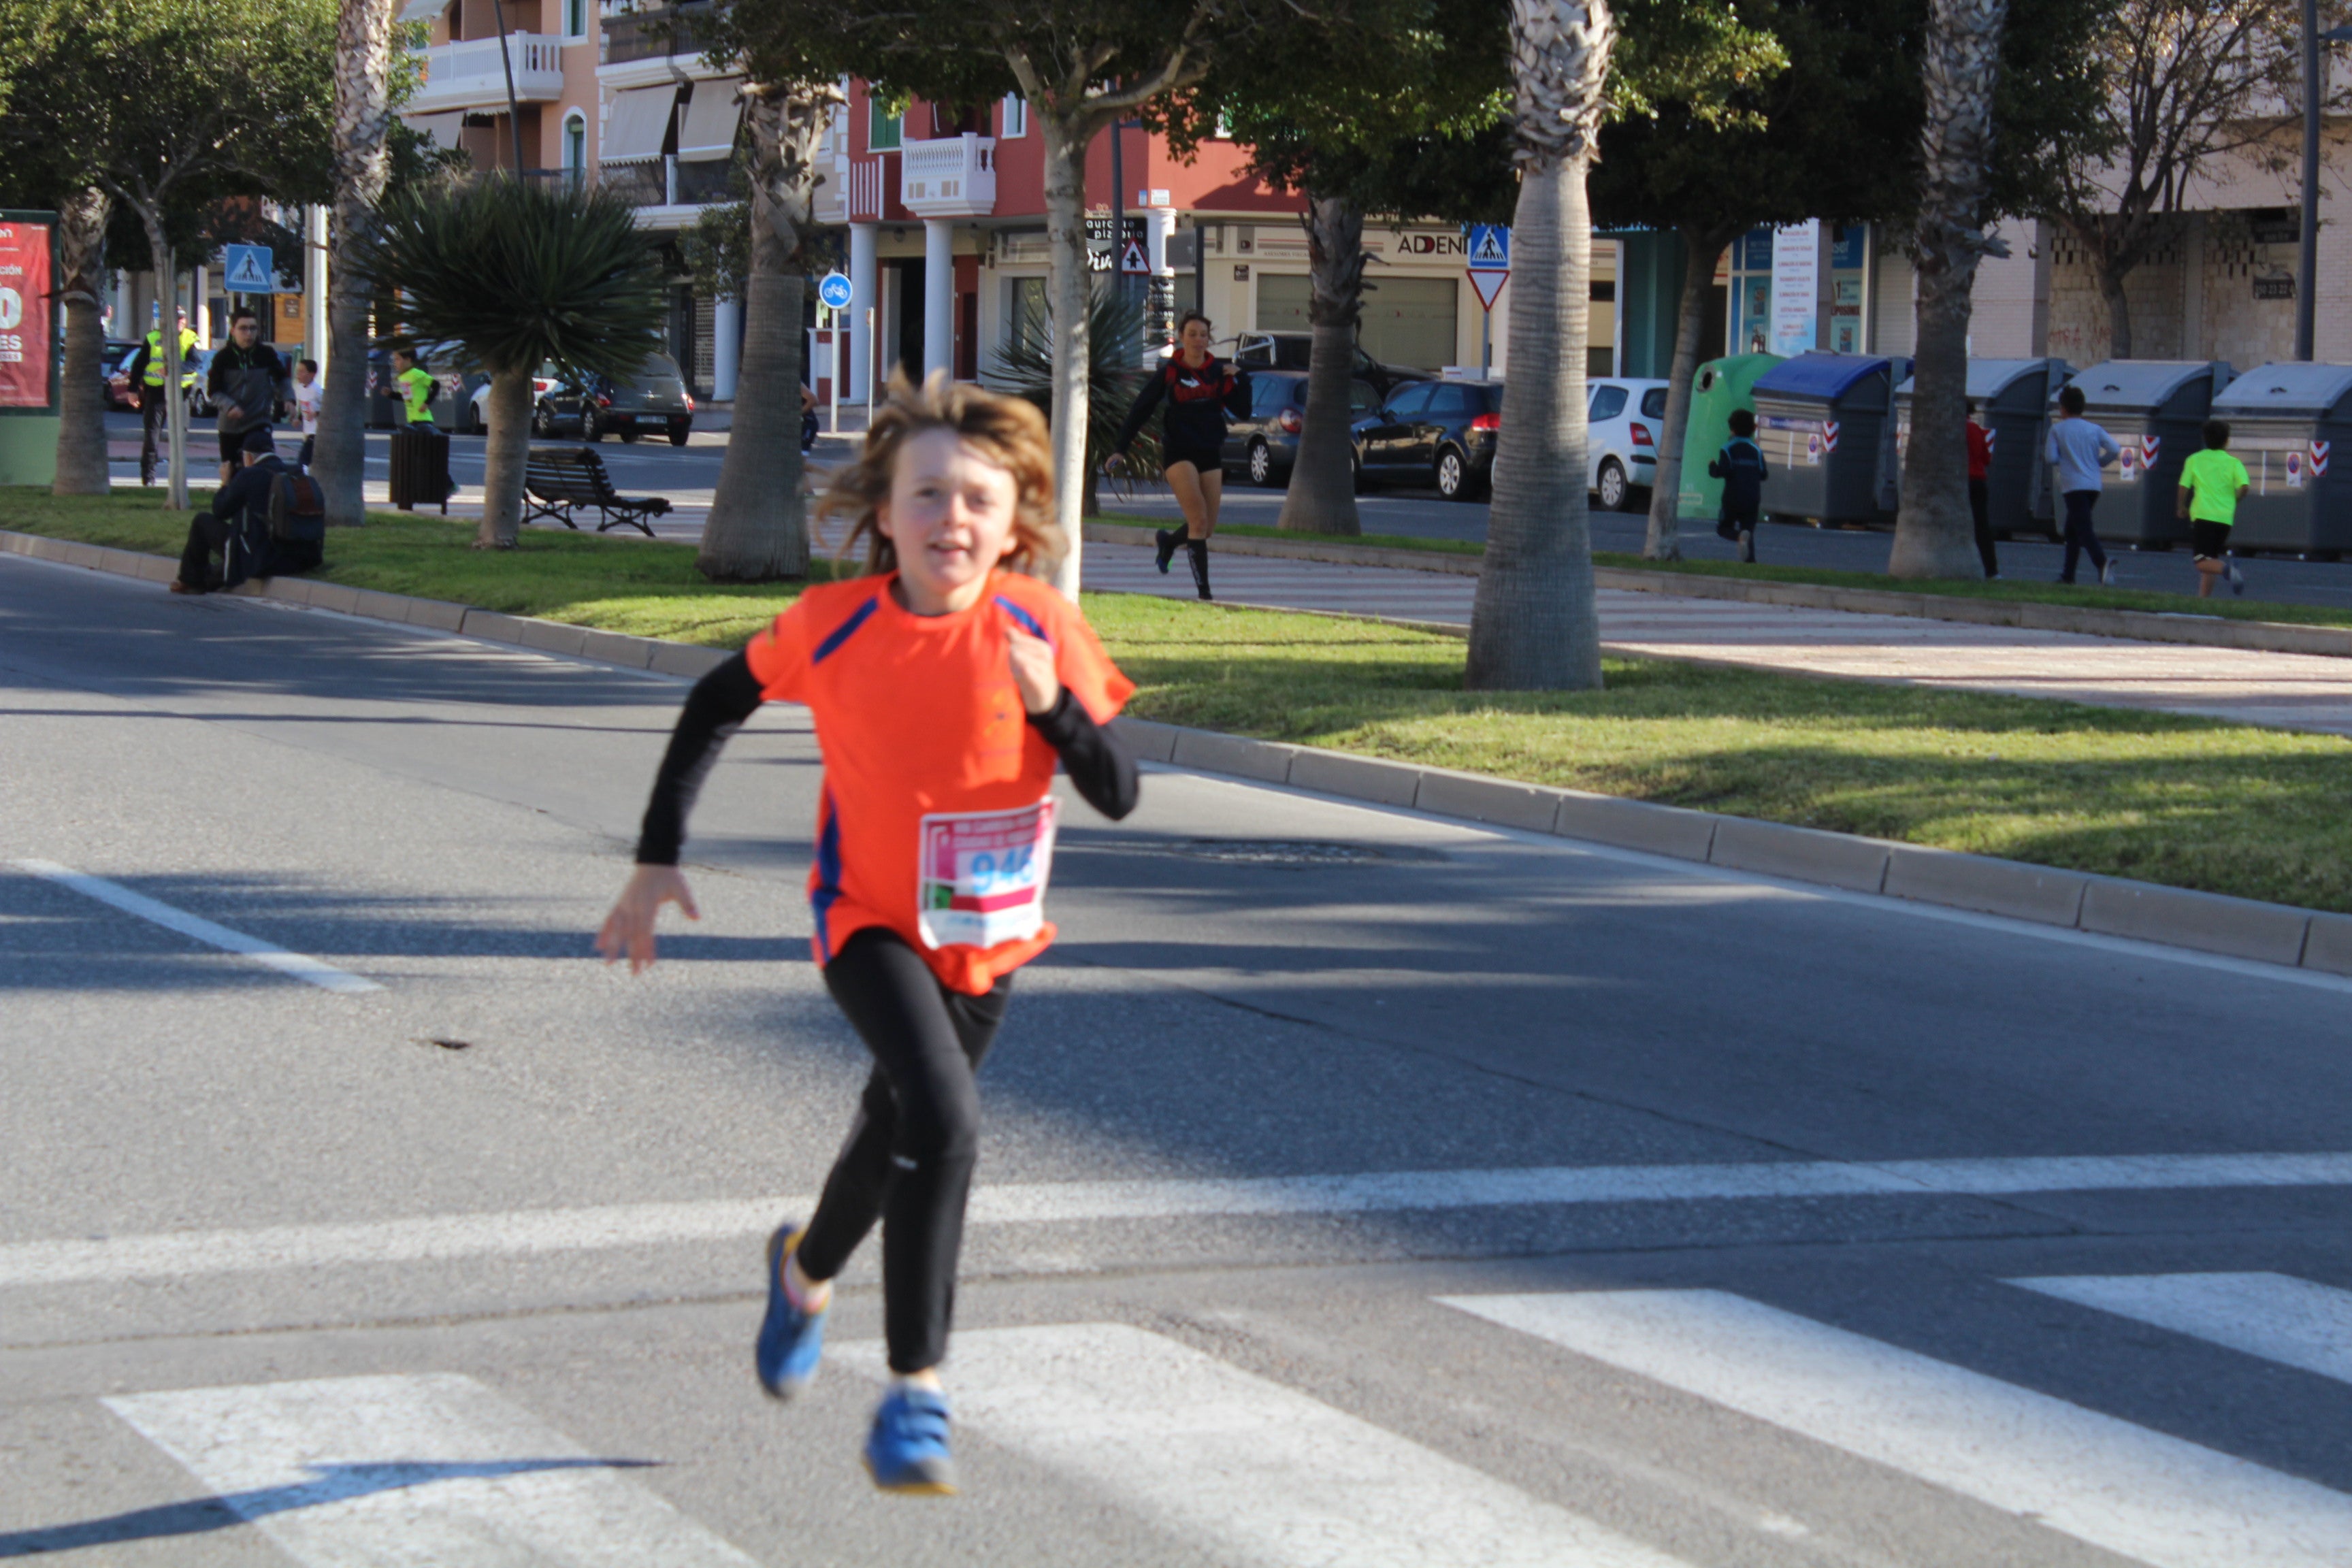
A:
(1439, 433)
(654, 399)
(1264, 446)
(1290, 351)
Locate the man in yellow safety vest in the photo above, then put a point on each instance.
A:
(146, 373)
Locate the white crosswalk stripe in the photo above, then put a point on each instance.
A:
(429, 1472)
(1253, 1470)
(2142, 1494)
(2274, 1316)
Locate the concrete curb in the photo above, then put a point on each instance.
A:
(2176, 917)
(2134, 626)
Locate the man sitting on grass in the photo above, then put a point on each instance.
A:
(2210, 482)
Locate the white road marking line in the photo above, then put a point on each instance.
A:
(2276, 1315)
(433, 1471)
(302, 966)
(1247, 1467)
(440, 1236)
(2134, 1492)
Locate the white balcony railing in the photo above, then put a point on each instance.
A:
(472, 76)
(954, 176)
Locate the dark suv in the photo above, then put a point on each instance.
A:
(1291, 351)
(1438, 433)
(1264, 446)
(654, 399)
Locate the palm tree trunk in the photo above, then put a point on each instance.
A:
(1933, 531)
(167, 338)
(1322, 494)
(758, 530)
(1700, 248)
(1534, 625)
(81, 429)
(1068, 284)
(363, 122)
(504, 455)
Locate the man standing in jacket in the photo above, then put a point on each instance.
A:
(247, 384)
(2078, 450)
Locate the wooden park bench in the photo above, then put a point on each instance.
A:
(557, 478)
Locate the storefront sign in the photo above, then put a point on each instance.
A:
(1796, 285)
(25, 346)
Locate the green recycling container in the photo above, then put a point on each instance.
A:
(1719, 386)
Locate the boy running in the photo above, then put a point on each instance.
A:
(2079, 449)
(1740, 466)
(2210, 482)
(945, 685)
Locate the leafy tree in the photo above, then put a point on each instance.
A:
(519, 272)
(1081, 64)
(159, 108)
(1412, 130)
(2179, 86)
(1533, 625)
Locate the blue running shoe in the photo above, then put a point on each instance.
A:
(791, 1339)
(908, 1449)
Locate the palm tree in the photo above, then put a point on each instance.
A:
(363, 163)
(1934, 533)
(81, 434)
(1024, 367)
(1534, 625)
(759, 521)
(519, 272)
(1321, 497)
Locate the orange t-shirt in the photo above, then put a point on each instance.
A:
(936, 816)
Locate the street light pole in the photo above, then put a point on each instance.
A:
(514, 116)
(2307, 262)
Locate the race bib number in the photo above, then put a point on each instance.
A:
(981, 877)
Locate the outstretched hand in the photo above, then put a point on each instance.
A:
(1115, 465)
(629, 929)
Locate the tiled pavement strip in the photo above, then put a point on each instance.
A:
(2283, 690)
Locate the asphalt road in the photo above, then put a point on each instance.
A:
(1358, 1188)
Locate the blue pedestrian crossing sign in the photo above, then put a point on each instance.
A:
(1490, 247)
(251, 270)
(833, 290)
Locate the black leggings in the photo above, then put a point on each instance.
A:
(911, 1152)
(2079, 536)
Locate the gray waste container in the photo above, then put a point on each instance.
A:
(2287, 422)
(1825, 423)
(2014, 397)
(2156, 411)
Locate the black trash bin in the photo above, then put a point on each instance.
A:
(2014, 396)
(1825, 423)
(2287, 422)
(420, 470)
(2156, 411)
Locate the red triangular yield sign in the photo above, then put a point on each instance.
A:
(1489, 285)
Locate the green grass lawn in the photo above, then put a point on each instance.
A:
(2006, 591)
(2191, 802)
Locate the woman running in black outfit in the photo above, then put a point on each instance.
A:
(1200, 390)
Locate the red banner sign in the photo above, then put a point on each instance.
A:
(24, 313)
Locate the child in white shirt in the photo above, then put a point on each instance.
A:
(307, 394)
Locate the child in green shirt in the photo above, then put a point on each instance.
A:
(2210, 483)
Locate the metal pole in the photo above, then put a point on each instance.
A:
(1117, 212)
(514, 117)
(2307, 263)
(871, 367)
(836, 368)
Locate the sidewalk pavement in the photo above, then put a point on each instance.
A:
(2283, 690)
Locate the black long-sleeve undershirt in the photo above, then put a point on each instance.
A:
(1099, 765)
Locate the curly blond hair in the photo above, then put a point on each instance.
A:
(1008, 430)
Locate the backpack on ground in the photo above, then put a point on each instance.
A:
(298, 507)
